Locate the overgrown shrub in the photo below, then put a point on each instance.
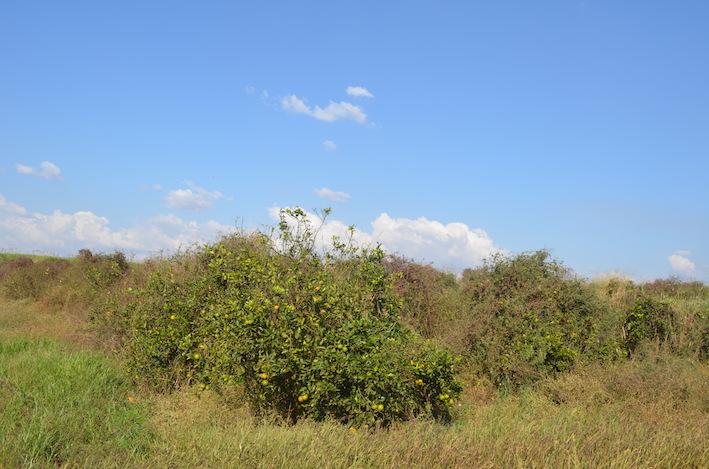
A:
(686, 318)
(530, 318)
(29, 280)
(102, 270)
(649, 320)
(307, 334)
(9, 266)
(676, 288)
(430, 297)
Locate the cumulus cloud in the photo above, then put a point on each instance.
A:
(359, 92)
(330, 113)
(192, 198)
(329, 145)
(332, 195)
(8, 207)
(46, 170)
(681, 263)
(450, 246)
(65, 233)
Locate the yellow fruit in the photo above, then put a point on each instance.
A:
(263, 376)
(276, 307)
(419, 382)
(302, 398)
(264, 382)
(173, 317)
(132, 399)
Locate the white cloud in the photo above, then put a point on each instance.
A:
(192, 198)
(330, 113)
(8, 207)
(22, 169)
(452, 246)
(295, 104)
(65, 233)
(359, 92)
(46, 170)
(329, 145)
(681, 263)
(334, 196)
(341, 110)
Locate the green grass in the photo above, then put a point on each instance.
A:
(60, 407)
(8, 256)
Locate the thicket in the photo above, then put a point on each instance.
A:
(429, 296)
(529, 317)
(24, 278)
(354, 334)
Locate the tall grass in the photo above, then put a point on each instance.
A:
(65, 408)
(649, 413)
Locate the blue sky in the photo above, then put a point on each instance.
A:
(578, 126)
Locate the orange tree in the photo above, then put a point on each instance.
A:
(306, 333)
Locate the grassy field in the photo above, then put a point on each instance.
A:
(64, 403)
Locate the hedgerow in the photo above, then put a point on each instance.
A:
(307, 333)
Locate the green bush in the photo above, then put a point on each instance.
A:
(307, 334)
(103, 270)
(530, 318)
(649, 320)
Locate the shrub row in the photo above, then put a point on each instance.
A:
(353, 334)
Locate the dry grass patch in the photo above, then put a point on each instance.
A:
(650, 413)
(20, 318)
